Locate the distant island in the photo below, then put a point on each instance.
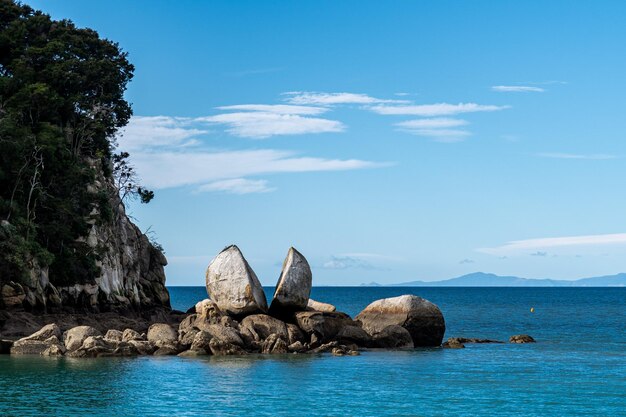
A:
(482, 279)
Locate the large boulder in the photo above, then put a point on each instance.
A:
(421, 318)
(39, 342)
(323, 327)
(233, 285)
(294, 285)
(392, 337)
(74, 337)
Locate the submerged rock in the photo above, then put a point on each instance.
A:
(521, 338)
(294, 285)
(421, 318)
(233, 285)
(453, 343)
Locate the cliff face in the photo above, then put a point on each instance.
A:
(131, 272)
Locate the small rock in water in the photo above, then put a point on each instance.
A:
(521, 338)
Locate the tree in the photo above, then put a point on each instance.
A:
(61, 103)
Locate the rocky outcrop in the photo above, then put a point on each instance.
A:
(322, 326)
(421, 318)
(131, 273)
(39, 342)
(521, 338)
(233, 285)
(294, 285)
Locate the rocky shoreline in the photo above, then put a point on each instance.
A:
(236, 320)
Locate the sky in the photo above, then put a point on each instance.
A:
(387, 142)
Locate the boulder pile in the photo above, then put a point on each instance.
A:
(236, 320)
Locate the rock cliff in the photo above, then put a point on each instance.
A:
(131, 270)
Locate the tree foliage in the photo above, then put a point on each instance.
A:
(61, 103)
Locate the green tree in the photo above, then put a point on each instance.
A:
(61, 103)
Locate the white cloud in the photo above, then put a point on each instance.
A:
(524, 246)
(144, 132)
(261, 124)
(237, 186)
(276, 108)
(517, 89)
(577, 156)
(439, 109)
(324, 99)
(174, 169)
(437, 123)
(441, 135)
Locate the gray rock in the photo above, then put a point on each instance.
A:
(521, 338)
(233, 285)
(295, 334)
(313, 305)
(225, 334)
(143, 347)
(453, 343)
(167, 350)
(201, 341)
(296, 347)
(193, 353)
(45, 333)
(54, 350)
(74, 337)
(114, 335)
(325, 326)
(274, 344)
(263, 326)
(36, 346)
(420, 317)
(392, 337)
(354, 334)
(294, 285)
(130, 334)
(161, 334)
(222, 348)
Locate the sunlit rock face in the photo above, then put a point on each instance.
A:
(294, 285)
(233, 285)
(421, 318)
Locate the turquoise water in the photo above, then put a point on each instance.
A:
(578, 367)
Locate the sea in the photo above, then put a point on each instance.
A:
(576, 368)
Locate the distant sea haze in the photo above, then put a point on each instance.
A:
(481, 279)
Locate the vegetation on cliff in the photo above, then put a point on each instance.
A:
(61, 104)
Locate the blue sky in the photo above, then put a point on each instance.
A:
(387, 142)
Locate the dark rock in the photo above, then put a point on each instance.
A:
(421, 318)
(521, 338)
(354, 334)
(5, 347)
(223, 348)
(392, 337)
(453, 343)
(325, 326)
(261, 326)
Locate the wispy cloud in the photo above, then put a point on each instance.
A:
(517, 89)
(438, 129)
(539, 253)
(276, 108)
(325, 99)
(466, 261)
(263, 124)
(238, 186)
(539, 245)
(170, 152)
(155, 131)
(577, 156)
(433, 110)
(175, 169)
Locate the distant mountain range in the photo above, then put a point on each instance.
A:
(481, 279)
